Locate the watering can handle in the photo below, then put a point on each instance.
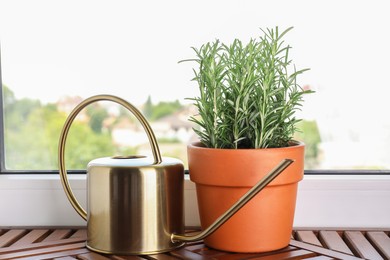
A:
(64, 133)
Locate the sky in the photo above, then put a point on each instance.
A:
(132, 48)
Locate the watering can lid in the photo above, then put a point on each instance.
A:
(132, 161)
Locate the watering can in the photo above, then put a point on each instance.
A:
(135, 203)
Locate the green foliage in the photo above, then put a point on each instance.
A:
(148, 108)
(96, 114)
(18, 111)
(155, 112)
(247, 96)
(31, 137)
(310, 135)
(84, 144)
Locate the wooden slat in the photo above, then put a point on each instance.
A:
(54, 255)
(293, 254)
(321, 257)
(360, 245)
(31, 237)
(186, 254)
(129, 257)
(206, 251)
(58, 234)
(308, 237)
(92, 256)
(241, 256)
(13, 249)
(195, 247)
(80, 233)
(322, 251)
(165, 256)
(11, 236)
(43, 251)
(381, 242)
(333, 241)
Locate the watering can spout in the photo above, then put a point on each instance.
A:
(236, 207)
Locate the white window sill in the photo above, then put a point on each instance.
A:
(324, 201)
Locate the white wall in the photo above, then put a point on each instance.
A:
(323, 201)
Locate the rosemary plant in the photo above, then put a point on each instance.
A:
(247, 97)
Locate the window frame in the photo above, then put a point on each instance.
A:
(2, 145)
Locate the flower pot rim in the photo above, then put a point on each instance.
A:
(200, 145)
(227, 167)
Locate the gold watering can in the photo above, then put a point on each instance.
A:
(135, 203)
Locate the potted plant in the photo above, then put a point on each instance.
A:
(247, 103)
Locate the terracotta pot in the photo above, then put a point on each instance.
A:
(222, 176)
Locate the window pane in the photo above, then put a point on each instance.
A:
(56, 53)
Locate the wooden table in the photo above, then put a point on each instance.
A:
(67, 244)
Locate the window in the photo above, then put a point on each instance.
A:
(55, 51)
(56, 54)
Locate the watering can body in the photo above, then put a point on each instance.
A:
(134, 206)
